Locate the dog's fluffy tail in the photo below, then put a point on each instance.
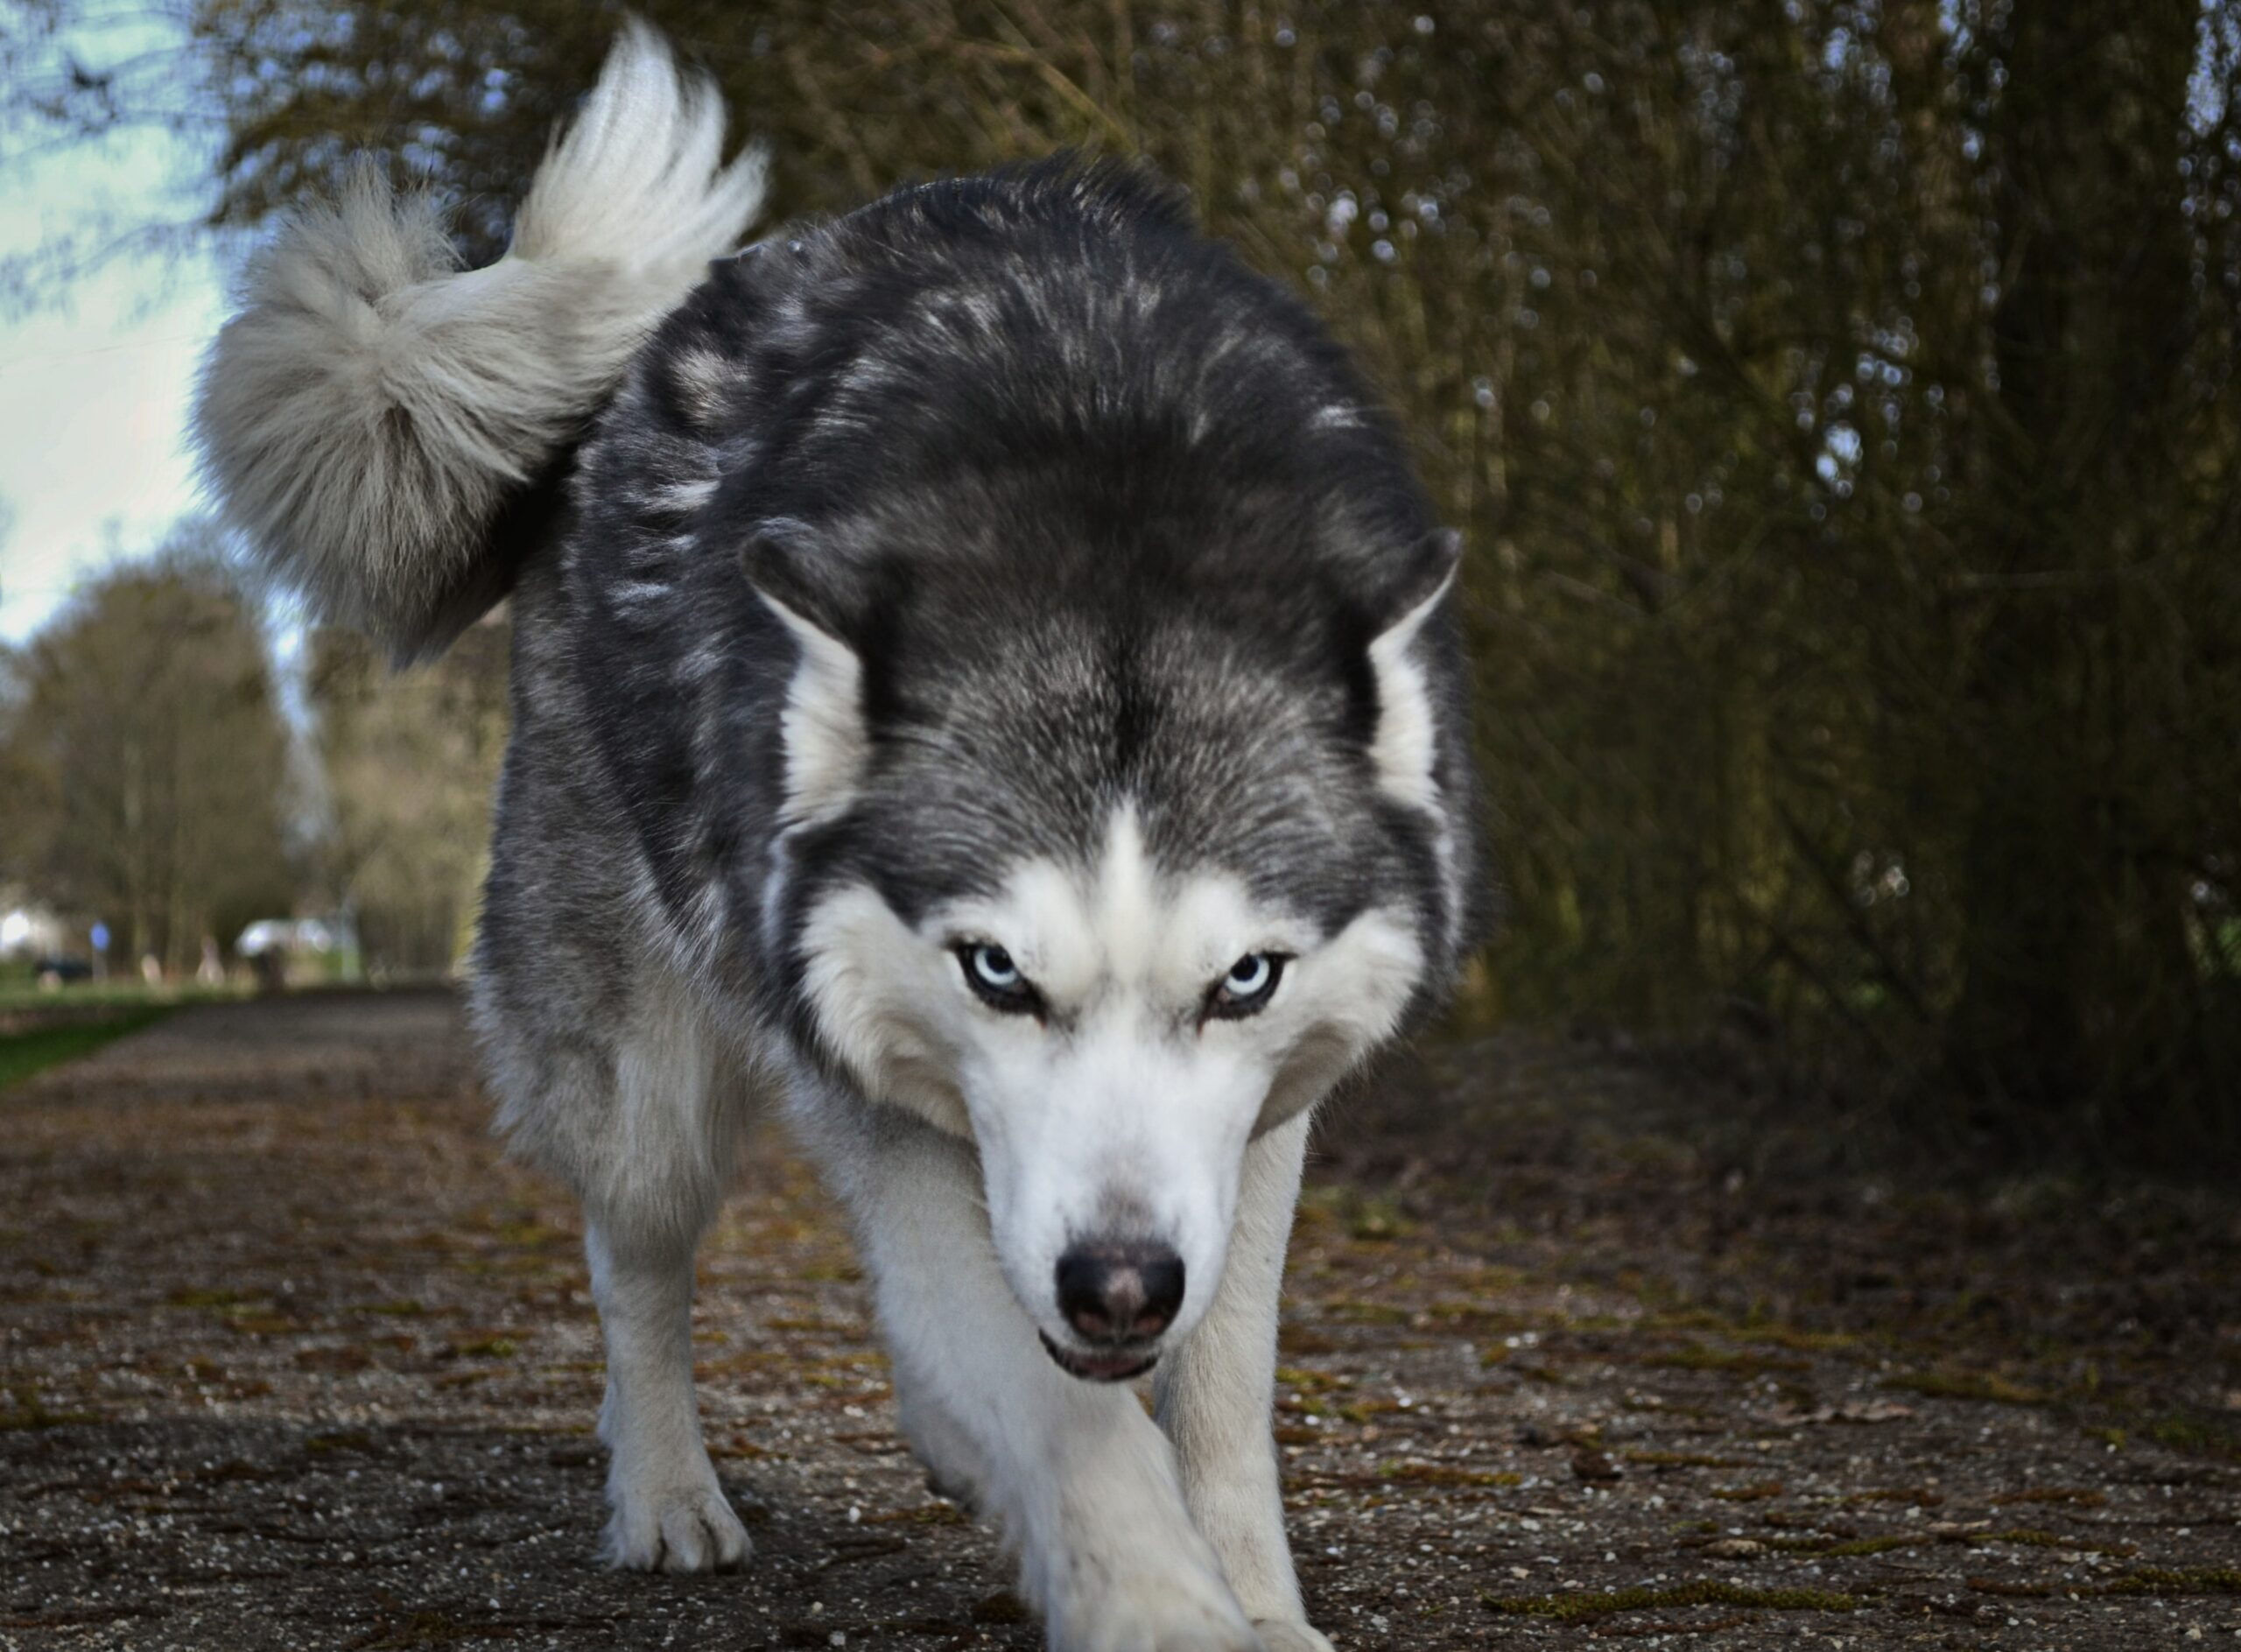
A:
(374, 410)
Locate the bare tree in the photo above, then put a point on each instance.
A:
(409, 763)
(153, 759)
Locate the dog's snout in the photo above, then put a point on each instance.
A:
(1119, 1292)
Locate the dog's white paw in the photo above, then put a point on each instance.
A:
(1291, 1637)
(1184, 1610)
(954, 1466)
(689, 1528)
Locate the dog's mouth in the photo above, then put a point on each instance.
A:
(1119, 1366)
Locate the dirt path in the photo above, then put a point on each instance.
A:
(291, 1361)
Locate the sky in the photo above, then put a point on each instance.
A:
(95, 391)
(93, 417)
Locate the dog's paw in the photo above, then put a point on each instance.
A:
(1181, 1611)
(675, 1529)
(1291, 1637)
(964, 1493)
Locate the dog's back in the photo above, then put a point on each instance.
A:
(1028, 413)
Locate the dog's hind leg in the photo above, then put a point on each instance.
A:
(1082, 1482)
(1214, 1394)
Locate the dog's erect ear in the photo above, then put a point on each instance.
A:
(823, 725)
(1412, 582)
(792, 567)
(1407, 745)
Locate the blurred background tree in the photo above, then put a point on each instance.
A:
(1839, 396)
(409, 765)
(148, 761)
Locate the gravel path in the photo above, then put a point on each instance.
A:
(290, 1360)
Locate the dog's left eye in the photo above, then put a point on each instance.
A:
(992, 973)
(1248, 986)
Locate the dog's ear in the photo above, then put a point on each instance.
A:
(1405, 748)
(793, 567)
(1411, 584)
(822, 726)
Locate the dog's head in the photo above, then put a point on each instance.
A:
(1109, 886)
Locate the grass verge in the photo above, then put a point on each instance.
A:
(23, 1053)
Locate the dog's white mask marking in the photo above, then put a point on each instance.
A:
(1118, 1110)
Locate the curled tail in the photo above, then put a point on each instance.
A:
(377, 420)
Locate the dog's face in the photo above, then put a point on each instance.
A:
(1110, 1034)
(1108, 896)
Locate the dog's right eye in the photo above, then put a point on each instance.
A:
(990, 971)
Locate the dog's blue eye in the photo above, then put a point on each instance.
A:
(993, 966)
(990, 971)
(1247, 988)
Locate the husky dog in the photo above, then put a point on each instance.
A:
(983, 671)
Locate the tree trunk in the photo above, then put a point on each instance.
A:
(2060, 933)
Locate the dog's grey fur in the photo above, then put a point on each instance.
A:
(1002, 564)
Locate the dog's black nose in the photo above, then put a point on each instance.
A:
(1119, 1292)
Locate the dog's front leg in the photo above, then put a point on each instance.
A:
(669, 1510)
(1081, 1480)
(1215, 1393)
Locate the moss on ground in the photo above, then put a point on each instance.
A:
(1966, 1385)
(1706, 1591)
(1737, 1362)
(2162, 1580)
(35, 1415)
